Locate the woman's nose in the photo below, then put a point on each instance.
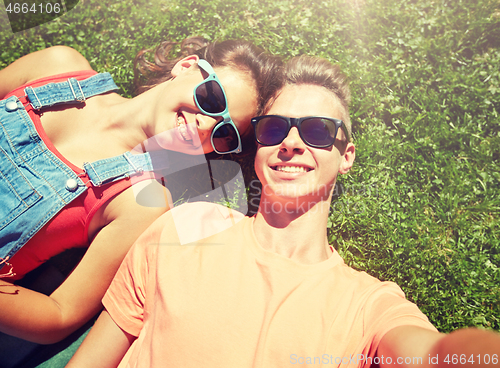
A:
(206, 123)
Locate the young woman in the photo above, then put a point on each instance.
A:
(65, 178)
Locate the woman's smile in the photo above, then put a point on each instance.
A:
(182, 128)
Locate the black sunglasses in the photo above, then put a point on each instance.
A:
(315, 131)
(211, 100)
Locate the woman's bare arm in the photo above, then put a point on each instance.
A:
(35, 317)
(51, 61)
(105, 345)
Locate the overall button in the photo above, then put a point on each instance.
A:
(11, 106)
(71, 185)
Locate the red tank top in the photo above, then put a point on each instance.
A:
(69, 228)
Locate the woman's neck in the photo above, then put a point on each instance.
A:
(128, 120)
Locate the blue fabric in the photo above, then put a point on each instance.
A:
(34, 183)
(33, 179)
(70, 91)
(111, 169)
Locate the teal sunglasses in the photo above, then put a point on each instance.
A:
(211, 99)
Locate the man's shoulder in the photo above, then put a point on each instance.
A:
(363, 282)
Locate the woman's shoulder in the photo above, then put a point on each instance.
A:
(53, 61)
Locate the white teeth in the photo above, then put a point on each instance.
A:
(184, 132)
(291, 169)
(181, 125)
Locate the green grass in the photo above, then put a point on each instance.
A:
(422, 205)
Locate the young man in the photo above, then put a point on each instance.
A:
(269, 291)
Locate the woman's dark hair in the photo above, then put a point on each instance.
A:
(243, 56)
(320, 72)
(148, 74)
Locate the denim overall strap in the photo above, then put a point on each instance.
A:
(115, 168)
(70, 91)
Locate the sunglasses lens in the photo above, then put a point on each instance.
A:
(225, 138)
(319, 132)
(271, 130)
(210, 97)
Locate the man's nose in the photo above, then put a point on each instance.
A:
(293, 142)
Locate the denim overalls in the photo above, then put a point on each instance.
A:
(34, 183)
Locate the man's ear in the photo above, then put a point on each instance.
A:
(184, 64)
(347, 158)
